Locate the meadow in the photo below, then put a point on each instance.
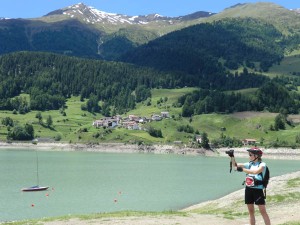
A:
(76, 125)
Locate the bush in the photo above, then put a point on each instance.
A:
(187, 129)
(155, 132)
(57, 137)
(7, 121)
(21, 133)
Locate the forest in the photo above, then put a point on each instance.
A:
(199, 48)
(50, 79)
(271, 97)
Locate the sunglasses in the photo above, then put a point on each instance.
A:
(251, 155)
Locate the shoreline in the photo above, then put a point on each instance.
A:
(275, 184)
(104, 147)
(274, 153)
(283, 211)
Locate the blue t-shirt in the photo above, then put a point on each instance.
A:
(254, 166)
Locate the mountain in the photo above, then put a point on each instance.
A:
(296, 10)
(68, 37)
(91, 15)
(285, 20)
(208, 47)
(110, 23)
(84, 31)
(252, 35)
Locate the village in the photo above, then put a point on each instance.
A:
(132, 122)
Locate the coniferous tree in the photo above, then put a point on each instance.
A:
(7, 121)
(279, 122)
(92, 104)
(49, 121)
(204, 141)
(39, 117)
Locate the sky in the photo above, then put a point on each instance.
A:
(38, 8)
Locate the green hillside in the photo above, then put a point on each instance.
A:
(283, 19)
(275, 29)
(65, 37)
(290, 65)
(238, 42)
(76, 125)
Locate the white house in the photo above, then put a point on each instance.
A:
(198, 139)
(249, 141)
(156, 117)
(165, 114)
(131, 125)
(107, 122)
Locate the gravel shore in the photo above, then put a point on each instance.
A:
(274, 153)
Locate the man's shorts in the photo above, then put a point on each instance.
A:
(254, 196)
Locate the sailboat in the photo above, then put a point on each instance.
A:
(36, 187)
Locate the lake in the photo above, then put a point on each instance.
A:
(89, 182)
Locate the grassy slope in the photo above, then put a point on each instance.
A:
(70, 127)
(282, 18)
(289, 65)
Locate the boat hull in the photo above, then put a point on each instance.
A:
(35, 188)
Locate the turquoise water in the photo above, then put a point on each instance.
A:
(82, 183)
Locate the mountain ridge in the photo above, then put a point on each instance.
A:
(91, 15)
(110, 35)
(282, 18)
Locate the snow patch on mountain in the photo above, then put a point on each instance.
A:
(92, 15)
(296, 10)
